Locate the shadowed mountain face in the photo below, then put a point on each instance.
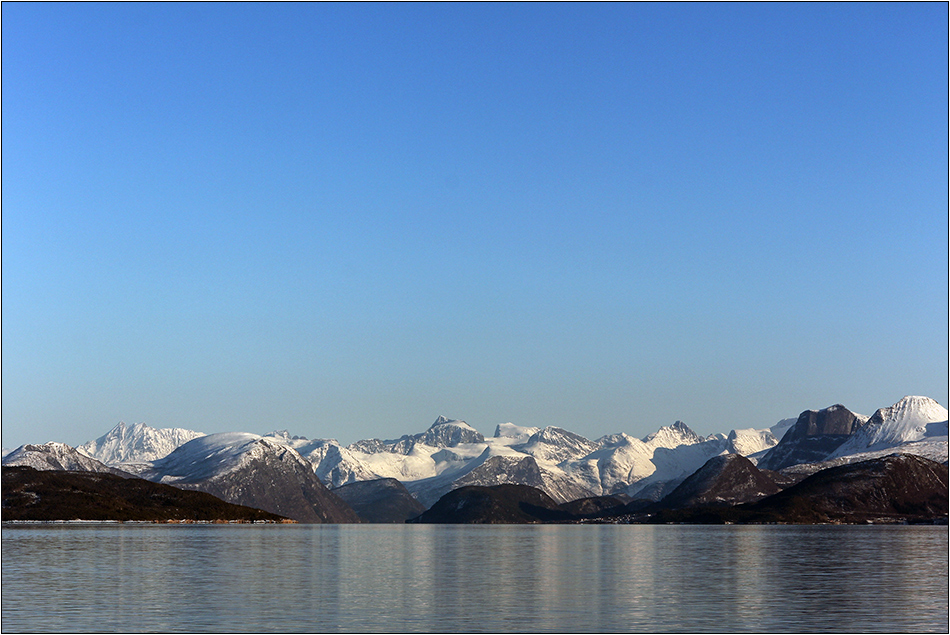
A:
(499, 504)
(595, 506)
(815, 435)
(900, 486)
(249, 470)
(895, 488)
(729, 479)
(30, 494)
(384, 500)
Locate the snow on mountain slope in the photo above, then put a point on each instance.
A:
(252, 470)
(673, 464)
(554, 445)
(336, 466)
(779, 429)
(934, 448)
(624, 463)
(448, 433)
(672, 436)
(749, 441)
(517, 434)
(138, 443)
(622, 460)
(59, 457)
(213, 455)
(910, 419)
(443, 433)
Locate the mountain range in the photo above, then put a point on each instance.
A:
(297, 477)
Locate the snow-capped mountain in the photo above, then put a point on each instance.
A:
(566, 466)
(750, 441)
(443, 433)
(555, 445)
(672, 436)
(136, 443)
(59, 457)
(910, 419)
(511, 431)
(337, 466)
(822, 439)
(255, 471)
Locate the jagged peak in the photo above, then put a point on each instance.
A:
(49, 446)
(554, 434)
(444, 421)
(677, 430)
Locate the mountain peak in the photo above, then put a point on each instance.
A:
(911, 419)
(674, 435)
(137, 443)
(442, 420)
(57, 456)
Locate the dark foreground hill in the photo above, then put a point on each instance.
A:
(384, 500)
(724, 480)
(30, 494)
(497, 504)
(895, 488)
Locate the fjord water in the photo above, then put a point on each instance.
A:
(463, 578)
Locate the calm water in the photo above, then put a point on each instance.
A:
(321, 578)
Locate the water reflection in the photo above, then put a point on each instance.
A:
(421, 578)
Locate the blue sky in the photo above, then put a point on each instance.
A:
(345, 220)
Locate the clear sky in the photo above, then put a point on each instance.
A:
(346, 220)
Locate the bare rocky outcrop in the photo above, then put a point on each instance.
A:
(815, 435)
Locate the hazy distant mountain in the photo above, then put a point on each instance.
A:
(251, 470)
(58, 457)
(138, 443)
(384, 500)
